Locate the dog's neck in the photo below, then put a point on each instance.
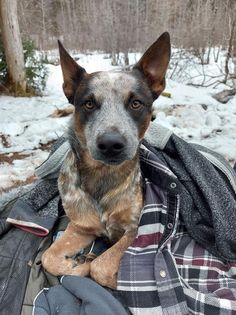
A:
(98, 178)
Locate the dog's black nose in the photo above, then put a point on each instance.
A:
(111, 144)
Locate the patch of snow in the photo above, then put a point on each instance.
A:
(20, 170)
(195, 116)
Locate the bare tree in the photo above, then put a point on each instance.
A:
(231, 50)
(12, 45)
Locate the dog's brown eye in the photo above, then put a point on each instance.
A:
(136, 105)
(89, 105)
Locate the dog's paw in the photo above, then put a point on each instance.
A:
(105, 275)
(82, 270)
(64, 266)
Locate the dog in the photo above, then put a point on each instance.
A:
(100, 179)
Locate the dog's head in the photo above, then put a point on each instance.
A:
(113, 108)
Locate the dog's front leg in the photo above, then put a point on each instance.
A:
(83, 228)
(56, 259)
(105, 267)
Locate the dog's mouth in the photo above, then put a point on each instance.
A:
(112, 161)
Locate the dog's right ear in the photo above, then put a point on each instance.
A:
(72, 73)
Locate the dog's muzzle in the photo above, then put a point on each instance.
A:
(111, 147)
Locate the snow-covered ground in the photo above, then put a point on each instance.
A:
(26, 126)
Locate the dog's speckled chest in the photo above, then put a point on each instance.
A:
(113, 197)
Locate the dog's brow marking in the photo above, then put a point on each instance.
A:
(109, 80)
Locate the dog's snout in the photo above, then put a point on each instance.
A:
(111, 143)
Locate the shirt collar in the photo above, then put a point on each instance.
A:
(153, 168)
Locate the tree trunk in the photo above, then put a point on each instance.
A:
(230, 47)
(12, 45)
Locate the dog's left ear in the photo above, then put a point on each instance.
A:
(154, 63)
(72, 73)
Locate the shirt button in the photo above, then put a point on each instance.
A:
(170, 226)
(173, 185)
(163, 273)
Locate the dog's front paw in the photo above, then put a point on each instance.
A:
(104, 273)
(64, 265)
(82, 270)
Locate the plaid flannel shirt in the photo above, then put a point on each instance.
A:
(165, 271)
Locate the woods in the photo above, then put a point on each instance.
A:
(119, 25)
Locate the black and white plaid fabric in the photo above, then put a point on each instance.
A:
(165, 271)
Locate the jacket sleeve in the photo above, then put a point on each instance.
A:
(77, 295)
(37, 210)
(208, 199)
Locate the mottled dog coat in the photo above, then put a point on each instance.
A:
(100, 180)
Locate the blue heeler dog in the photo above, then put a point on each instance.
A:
(100, 182)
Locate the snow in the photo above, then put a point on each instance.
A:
(191, 112)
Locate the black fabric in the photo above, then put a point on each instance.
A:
(77, 296)
(37, 210)
(4, 212)
(17, 251)
(40, 199)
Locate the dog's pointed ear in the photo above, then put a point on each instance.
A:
(72, 73)
(154, 63)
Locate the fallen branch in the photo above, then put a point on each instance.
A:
(224, 96)
(62, 112)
